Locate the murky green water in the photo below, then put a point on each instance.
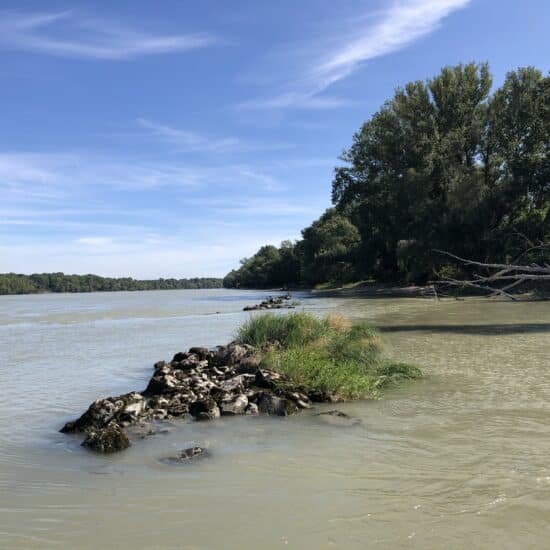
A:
(458, 460)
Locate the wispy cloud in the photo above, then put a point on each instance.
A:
(51, 178)
(94, 241)
(259, 206)
(71, 35)
(397, 27)
(192, 142)
(29, 177)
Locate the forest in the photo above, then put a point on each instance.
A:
(449, 164)
(13, 283)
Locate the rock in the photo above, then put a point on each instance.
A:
(133, 409)
(204, 409)
(186, 455)
(103, 411)
(178, 407)
(164, 381)
(237, 383)
(333, 413)
(268, 379)
(248, 365)
(202, 353)
(271, 302)
(338, 418)
(252, 409)
(279, 406)
(301, 399)
(107, 440)
(236, 405)
(188, 363)
(318, 396)
(237, 352)
(232, 354)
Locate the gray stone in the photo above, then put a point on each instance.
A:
(204, 409)
(107, 440)
(274, 405)
(236, 405)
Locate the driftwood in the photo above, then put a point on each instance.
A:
(500, 279)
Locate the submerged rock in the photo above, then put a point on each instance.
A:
(269, 403)
(107, 440)
(338, 418)
(186, 455)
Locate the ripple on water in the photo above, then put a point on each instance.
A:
(459, 458)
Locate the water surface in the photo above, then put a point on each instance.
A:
(459, 459)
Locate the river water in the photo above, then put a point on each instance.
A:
(459, 459)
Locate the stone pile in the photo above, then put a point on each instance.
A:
(272, 302)
(201, 383)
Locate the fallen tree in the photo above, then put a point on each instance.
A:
(508, 280)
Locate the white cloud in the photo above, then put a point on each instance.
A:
(29, 177)
(301, 100)
(27, 174)
(69, 35)
(95, 241)
(187, 141)
(399, 26)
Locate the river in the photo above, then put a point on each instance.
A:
(460, 459)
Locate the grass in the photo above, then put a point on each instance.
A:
(330, 354)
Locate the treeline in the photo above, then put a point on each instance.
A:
(13, 283)
(444, 164)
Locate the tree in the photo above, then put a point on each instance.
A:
(328, 249)
(441, 165)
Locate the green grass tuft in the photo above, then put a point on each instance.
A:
(331, 354)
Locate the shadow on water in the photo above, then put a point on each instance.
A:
(488, 330)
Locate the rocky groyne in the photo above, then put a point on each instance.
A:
(272, 302)
(200, 383)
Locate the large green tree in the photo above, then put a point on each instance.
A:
(444, 164)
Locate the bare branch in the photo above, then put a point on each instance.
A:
(505, 278)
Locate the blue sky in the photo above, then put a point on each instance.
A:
(173, 138)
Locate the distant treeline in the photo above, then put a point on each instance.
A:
(445, 164)
(13, 283)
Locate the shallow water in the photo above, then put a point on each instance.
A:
(459, 459)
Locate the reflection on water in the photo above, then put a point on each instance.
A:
(458, 459)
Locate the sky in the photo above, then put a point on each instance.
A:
(173, 138)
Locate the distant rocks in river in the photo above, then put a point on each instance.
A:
(272, 302)
(201, 383)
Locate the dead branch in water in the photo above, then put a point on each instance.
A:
(500, 279)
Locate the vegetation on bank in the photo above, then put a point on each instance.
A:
(329, 355)
(13, 283)
(444, 164)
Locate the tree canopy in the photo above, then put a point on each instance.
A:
(13, 283)
(444, 164)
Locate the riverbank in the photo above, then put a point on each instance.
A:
(369, 289)
(43, 283)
